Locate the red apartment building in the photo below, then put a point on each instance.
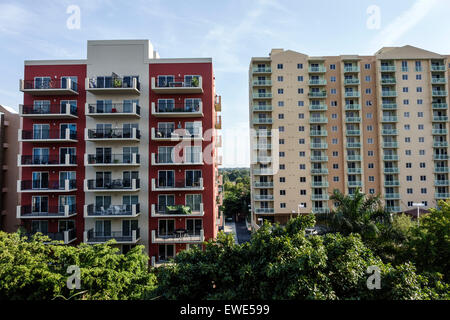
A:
(122, 145)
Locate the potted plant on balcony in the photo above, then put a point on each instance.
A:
(178, 209)
(117, 83)
(195, 82)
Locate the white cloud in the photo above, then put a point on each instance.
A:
(389, 35)
(14, 18)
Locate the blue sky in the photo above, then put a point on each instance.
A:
(229, 31)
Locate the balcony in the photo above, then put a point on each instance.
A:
(392, 196)
(354, 183)
(257, 184)
(67, 237)
(262, 146)
(386, 93)
(262, 83)
(53, 111)
(352, 119)
(116, 85)
(261, 159)
(262, 121)
(322, 94)
(112, 160)
(439, 93)
(316, 210)
(115, 185)
(440, 144)
(440, 118)
(44, 136)
(352, 107)
(117, 134)
(262, 70)
(388, 81)
(129, 237)
(319, 145)
(390, 157)
(27, 212)
(352, 94)
(390, 145)
(441, 170)
(389, 119)
(354, 158)
(115, 110)
(438, 67)
(263, 172)
(439, 106)
(440, 157)
(263, 133)
(354, 81)
(318, 133)
(190, 236)
(319, 158)
(177, 185)
(318, 107)
(49, 87)
(394, 209)
(353, 145)
(320, 197)
(266, 197)
(348, 69)
(387, 68)
(354, 170)
(218, 124)
(44, 186)
(262, 95)
(218, 103)
(438, 80)
(443, 196)
(264, 210)
(439, 131)
(177, 110)
(262, 108)
(171, 211)
(319, 69)
(318, 120)
(389, 106)
(317, 82)
(113, 211)
(391, 170)
(391, 183)
(66, 160)
(441, 183)
(177, 134)
(319, 171)
(320, 184)
(389, 132)
(175, 160)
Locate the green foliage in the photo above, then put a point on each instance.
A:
(236, 196)
(32, 270)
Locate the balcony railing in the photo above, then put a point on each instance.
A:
(117, 85)
(440, 118)
(319, 158)
(320, 184)
(113, 211)
(440, 144)
(438, 80)
(112, 160)
(391, 196)
(178, 236)
(441, 157)
(441, 169)
(28, 212)
(351, 69)
(390, 144)
(439, 93)
(262, 108)
(264, 210)
(50, 135)
(218, 103)
(113, 110)
(262, 95)
(115, 185)
(46, 161)
(319, 171)
(177, 185)
(35, 186)
(317, 82)
(390, 157)
(388, 81)
(318, 120)
(393, 209)
(117, 134)
(49, 87)
(352, 94)
(262, 120)
(353, 145)
(388, 93)
(391, 183)
(173, 85)
(168, 134)
(389, 106)
(391, 170)
(318, 145)
(389, 132)
(389, 119)
(318, 107)
(353, 107)
(355, 183)
(354, 158)
(265, 197)
(131, 236)
(261, 83)
(438, 67)
(441, 183)
(163, 210)
(354, 170)
(439, 105)
(258, 184)
(352, 119)
(318, 133)
(317, 210)
(168, 159)
(319, 69)
(387, 68)
(351, 81)
(53, 111)
(262, 171)
(314, 94)
(353, 132)
(442, 195)
(67, 236)
(262, 70)
(177, 110)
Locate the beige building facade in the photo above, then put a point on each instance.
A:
(379, 123)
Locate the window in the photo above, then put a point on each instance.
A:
(302, 153)
(370, 153)
(405, 102)
(334, 116)
(421, 139)
(420, 114)
(333, 91)
(280, 78)
(407, 127)
(300, 103)
(409, 165)
(368, 103)
(194, 226)
(368, 91)
(370, 140)
(300, 78)
(282, 167)
(409, 190)
(281, 153)
(193, 154)
(369, 115)
(408, 152)
(336, 179)
(301, 141)
(405, 89)
(282, 179)
(334, 128)
(372, 191)
(193, 201)
(192, 178)
(420, 126)
(334, 141)
(332, 67)
(281, 141)
(408, 178)
(300, 66)
(334, 103)
(368, 79)
(301, 128)
(406, 114)
(422, 165)
(302, 167)
(335, 153)
(303, 192)
(301, 115)
(332, 79)
(418, 77)
(371, 178)
(407, 139)
(370, 166)
(300, 90)
(280, 91)
(369, 128)
(404, 77)
(281, 116)
(423, 190)
(281, 128)
(302, 179)
(280, 66)
(367, 66)
(282, 205)
(421, 152)
(282, 192)
(281, 103)
(419, 101)
(335, 166)
(419, 89)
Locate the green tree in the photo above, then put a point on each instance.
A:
(32, 270)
